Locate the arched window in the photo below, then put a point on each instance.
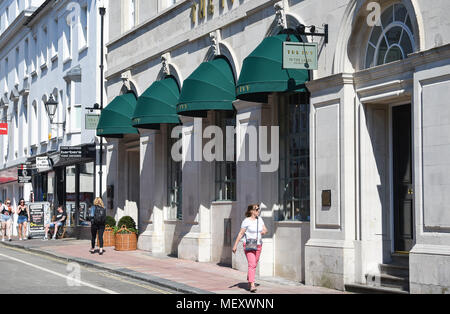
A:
(393, 40)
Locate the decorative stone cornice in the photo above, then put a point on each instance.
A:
(330, 82)
(73, 75)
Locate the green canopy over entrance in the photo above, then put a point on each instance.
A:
(157, 105)
(210, 87)
(115, 120)
(262, 72)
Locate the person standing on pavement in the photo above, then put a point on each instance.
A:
(6, 219)
(98, 222)
(253, 228)
(22, 220)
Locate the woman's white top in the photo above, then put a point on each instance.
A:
(250, 226)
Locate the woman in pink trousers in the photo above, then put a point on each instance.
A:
(253, 229)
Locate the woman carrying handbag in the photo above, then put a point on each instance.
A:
(253, 229)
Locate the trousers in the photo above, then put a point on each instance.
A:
(94, 229)
(252, 259)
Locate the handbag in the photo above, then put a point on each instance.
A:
(252, 244)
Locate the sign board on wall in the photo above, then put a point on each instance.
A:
(71, 152)
(300, 56)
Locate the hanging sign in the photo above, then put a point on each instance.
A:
(42, 163)
(3, 128)
(91, 121)
(24, 175)
(300, 56)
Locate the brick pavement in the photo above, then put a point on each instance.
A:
(205, 276)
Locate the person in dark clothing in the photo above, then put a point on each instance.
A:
(60, 220)
(98, 221)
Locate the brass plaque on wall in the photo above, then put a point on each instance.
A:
(326, 198)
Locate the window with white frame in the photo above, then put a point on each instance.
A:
(293, 118)
(84, 27)
(393, 39)
(26, 53)
(168, 3)
(225, 171)
(54, 44)
(67, 39)
(132, 13)
(44, 46)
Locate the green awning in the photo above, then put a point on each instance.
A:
(210, 87)
(115, 120)
(262, 72)
(158, 104)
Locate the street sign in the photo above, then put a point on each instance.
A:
(300, 56)
(3, 128)
(91, 121)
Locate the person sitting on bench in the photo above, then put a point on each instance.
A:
(59, 222)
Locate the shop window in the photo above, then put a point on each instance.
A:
(86, 194)
(225, 171)
(79, 187)
(393, 40)
(174, 180)
(294, 158)
(70, 199)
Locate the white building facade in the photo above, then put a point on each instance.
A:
(359, 197)
(49, 50)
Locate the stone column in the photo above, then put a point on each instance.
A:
(429, 260)
(252, 185)
(152, 191)
(198, 190)
(330, 257)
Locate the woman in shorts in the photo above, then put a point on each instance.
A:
(22, 220)
(6, 219)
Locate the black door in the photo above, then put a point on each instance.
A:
(402, 175)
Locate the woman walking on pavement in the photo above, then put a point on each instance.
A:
(98, 221)
(6, 219)
(24, 217)
(253, 228)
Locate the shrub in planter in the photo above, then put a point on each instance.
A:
(126, 239)
(110, 221)
(127, 221)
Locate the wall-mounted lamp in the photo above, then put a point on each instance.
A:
(50, 107)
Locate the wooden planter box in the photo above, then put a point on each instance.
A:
(125, 241)
(109, 239)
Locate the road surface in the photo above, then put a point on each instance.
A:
(31, 273)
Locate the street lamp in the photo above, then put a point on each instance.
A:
(50, 107)
(102, 12)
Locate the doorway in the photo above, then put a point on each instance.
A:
(403, 192)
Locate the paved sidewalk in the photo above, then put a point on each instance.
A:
(181, 275)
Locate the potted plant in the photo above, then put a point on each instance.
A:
(109, 238)
(126, 235)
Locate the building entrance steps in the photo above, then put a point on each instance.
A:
(393, 278)
(180, 275)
